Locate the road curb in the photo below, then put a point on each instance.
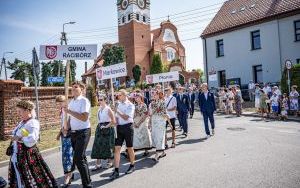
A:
(256, 115)
(44, 153)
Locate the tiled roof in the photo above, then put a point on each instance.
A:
(240, 13)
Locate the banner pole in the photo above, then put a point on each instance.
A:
(66, 94)
(112, 91)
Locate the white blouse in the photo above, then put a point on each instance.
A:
(103, 115)
(33, 128)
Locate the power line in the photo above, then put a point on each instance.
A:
(176, 16)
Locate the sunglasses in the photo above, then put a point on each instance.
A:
(100, 100)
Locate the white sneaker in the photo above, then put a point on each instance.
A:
(213, 132)
(208, 136)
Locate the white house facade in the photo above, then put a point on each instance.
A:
(257, 51)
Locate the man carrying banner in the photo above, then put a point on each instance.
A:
(78, 111)
(124, 117)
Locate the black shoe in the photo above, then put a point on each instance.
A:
(166, 146)
(130, 170)
(114, 175)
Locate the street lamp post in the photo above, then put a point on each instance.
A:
(3, 63)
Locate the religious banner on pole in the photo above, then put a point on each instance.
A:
(68, 52)
(113, 71)
(163, 77)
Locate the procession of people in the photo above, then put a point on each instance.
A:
(139, 119)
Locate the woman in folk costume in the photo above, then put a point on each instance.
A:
(142, 135)
(158, 116)
(104, 143)
(66, 144)
(237, 101)
(27, 167)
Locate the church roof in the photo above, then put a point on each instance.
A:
(235, 14)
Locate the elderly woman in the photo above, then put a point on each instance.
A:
(27, 167)
(158, 116)
(142, 135)
(66, 144)
(294, 97)
(104, 143)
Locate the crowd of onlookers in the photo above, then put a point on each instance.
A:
(271, 102)
(268, 100)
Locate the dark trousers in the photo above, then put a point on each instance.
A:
(182, 118)
(210, 116)
(80, 140)
(192, 109)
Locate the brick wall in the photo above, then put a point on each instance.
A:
(13, 90)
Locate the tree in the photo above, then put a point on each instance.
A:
(136, 71)
(294, 76)
(156, 66)
(72, 71)
(200, 71)
(46, 72)
(57, 68)
(21, 70)
(165, 67)
(113, 55)
(181, 79)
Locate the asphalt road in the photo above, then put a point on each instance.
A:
(245, 152)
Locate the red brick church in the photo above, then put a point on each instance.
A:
(141, 43)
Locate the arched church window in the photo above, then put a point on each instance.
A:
(171, 54)
(138, 17)
(144, 19)
(129, 17)
(123, 19)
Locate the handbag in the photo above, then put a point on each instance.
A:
(10, 149)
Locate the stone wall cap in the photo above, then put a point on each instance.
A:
(11, 81)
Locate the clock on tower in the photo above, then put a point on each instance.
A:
(134, 33)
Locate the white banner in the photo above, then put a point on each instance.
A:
(212, 77)
(113, 71)
(68, 52)
(163, 77)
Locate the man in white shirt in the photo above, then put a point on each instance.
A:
(78, 111)
(251, 90)
(171, 106)
(124, 118)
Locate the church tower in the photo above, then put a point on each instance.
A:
(134, 33)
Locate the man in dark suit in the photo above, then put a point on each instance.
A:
(207, 108)
(182, 110)
(191, 95)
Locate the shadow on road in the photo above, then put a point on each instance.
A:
(191, 141)
(140, 164)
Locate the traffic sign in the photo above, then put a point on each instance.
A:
(288, 64)
(56, 79)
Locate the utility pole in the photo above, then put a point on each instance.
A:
(63, 40)
(3, 64)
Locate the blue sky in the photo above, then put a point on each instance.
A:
(28, 24)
